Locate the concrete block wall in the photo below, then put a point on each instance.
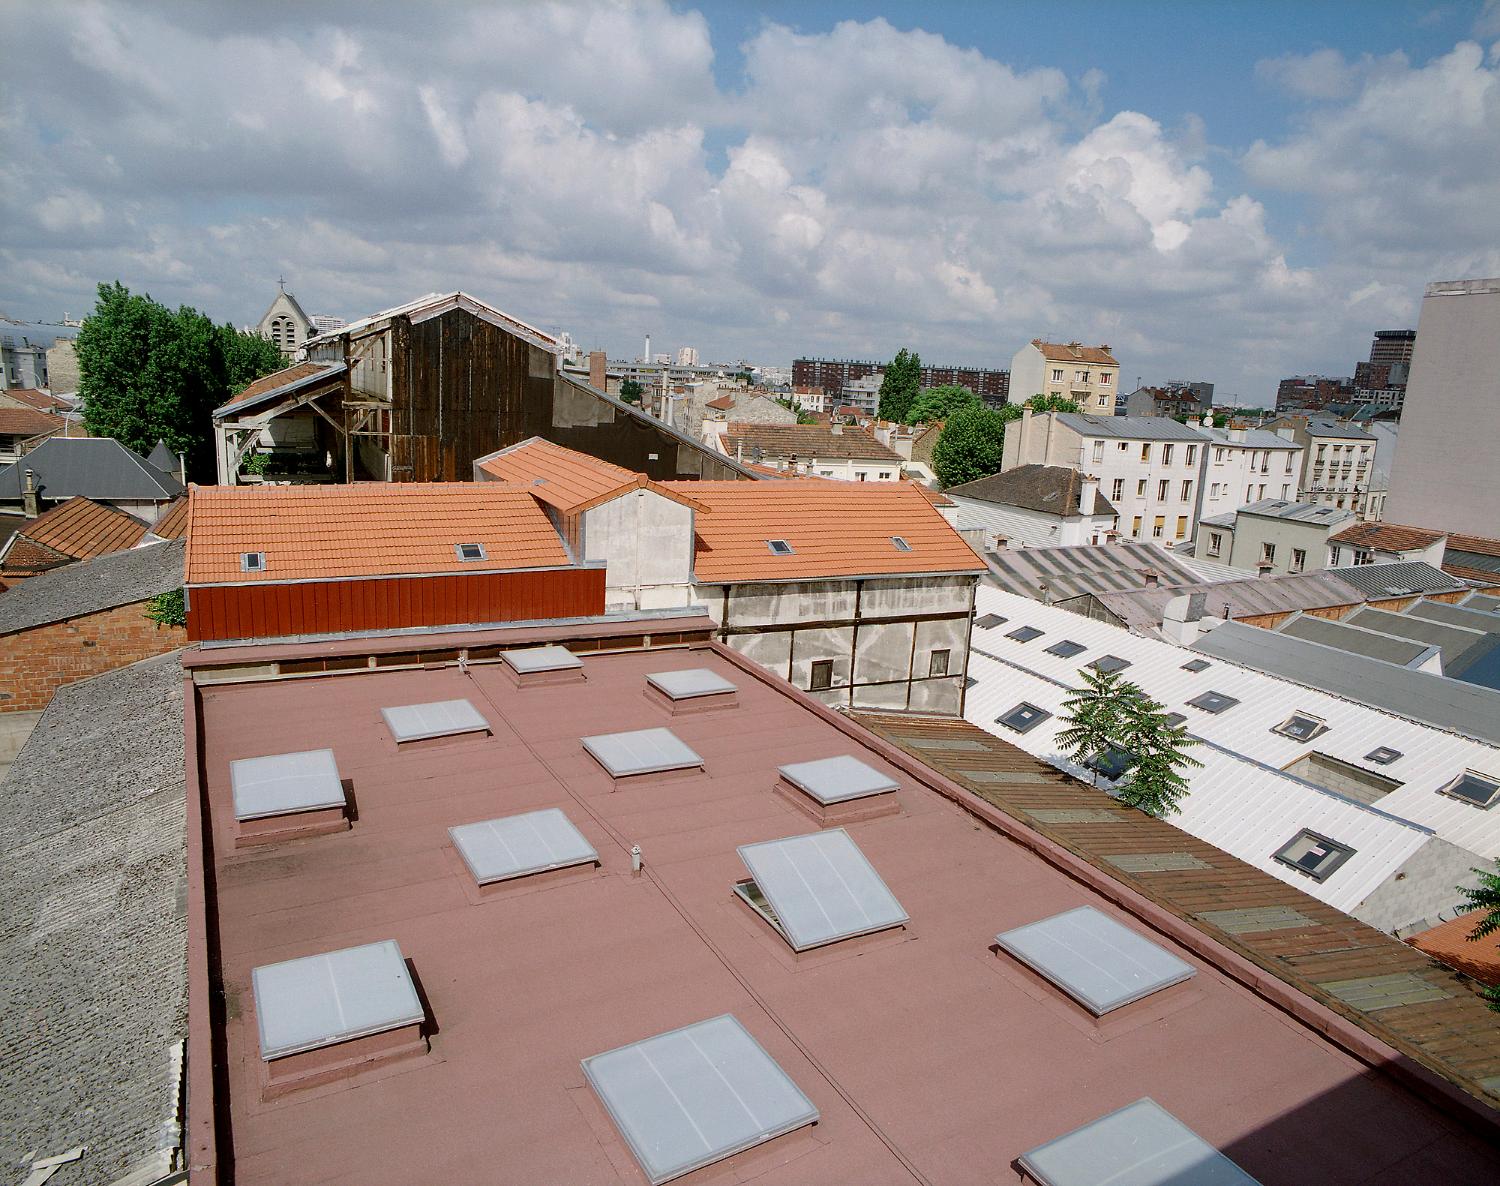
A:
(35, 663)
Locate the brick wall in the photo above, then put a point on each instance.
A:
(35, 663)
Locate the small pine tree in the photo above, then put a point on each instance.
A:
(1094, 715)
(1158, 750)
(1485, 896)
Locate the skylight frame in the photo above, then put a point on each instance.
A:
(1065, 648)
(506, 836)
(1317, 726)
(780, 547)
(537, 660)
(1384, 755)
(900, 543)
(316, 771)
(395, 717)
(1196, 665)
(990, 621)
(1113, 770)
(1109, 664)
(462, 550)
(691, 683)
(1032, 714)
(1335, 858)
(1025, 634)
(1213, 703)
(252, 562)
(1451, 789)
(636, 746)
(860, 779)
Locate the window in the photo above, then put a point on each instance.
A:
(1057, 375)
(1158, 526)
(1382, 755)
(1163, 490)
(900, 544)
(1215, 543)
(1219, 456)
(1196, 665)
(1112, 763)
(1140, 488)
(1213, 491)
(1315, 855)
(1166, 454)
(1288, 463)
(1301, 726)
(1117, 491)
(1286, 490)
(989, 621)
(1098, 450)
(822, 675)
(1145, 452)
(1335, 556)
(252, 561)
(1361, 555)
(861, 475)
(470, 551)
(1480, 790)
(1103, 401)
(1104, 378)
(938, 663)
(1135, 527)
(1262, 490)
(1187, 491)
(1182, 522)
(1025, 633)
(1299, 559)
(1268, 553)
(1083, 376)
(1192, 454)
(1175, 718)
(1109, 663)
(885, 475)
(1213, 702)
(1023, 717)
(1066, 649)
(779, 547)
(1122, 446)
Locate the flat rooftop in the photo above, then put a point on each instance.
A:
(928, 1056)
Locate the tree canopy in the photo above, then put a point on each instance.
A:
(970, 444)
(1485, 896)
(898, 390)
(147, 373)
(1052, 403)
(938, 403)
(631, 391)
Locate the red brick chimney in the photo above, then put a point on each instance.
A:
(597, 376)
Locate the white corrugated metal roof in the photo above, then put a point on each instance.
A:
(1241, 800)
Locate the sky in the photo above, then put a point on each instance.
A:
(1231, 192)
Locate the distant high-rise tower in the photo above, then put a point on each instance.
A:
(687, 357)
(646, 357)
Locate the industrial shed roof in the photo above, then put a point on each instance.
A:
(120, 578)
(434, 304)
(93, 940)
(1074, 569)
(1141, 609)
(278, 383)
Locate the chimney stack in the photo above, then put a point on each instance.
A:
(1088, 490)
(1151, 577)
(648, 349)
(598, 377)
(30, 503)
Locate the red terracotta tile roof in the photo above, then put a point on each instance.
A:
(23, 558)
(39, 401)
(1474, 543)
(566, 479)
(291, 374)
(365, 529)
(81, 528)
(173, 525)
(1449, 943)
(835, 529)
(1387, 537)
(806, 441)
(28, 422)
(723, 404)
(1065, 352)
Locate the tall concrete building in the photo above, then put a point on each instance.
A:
(1443, 476)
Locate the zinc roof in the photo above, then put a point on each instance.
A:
(564, 478)
(95, 467)
(1388, 580)
(365, 529)
(1133, 428)
(1141, 609)
(81, 528)
(835, 529)
(1073, 569)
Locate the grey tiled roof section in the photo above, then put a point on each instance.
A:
(1083, 568)
(96, 467)
(1410, 576)
(1135, 428)
(92, 937)
(1466, 709)
(162, 458)
(1255, 438)
(89, 586)
(1051, 489)
(1141, 609)
(1301, 512)
(1321, 426)
(1454, 641)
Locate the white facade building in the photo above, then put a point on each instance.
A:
(1246, 465)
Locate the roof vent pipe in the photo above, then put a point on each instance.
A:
(635, 860)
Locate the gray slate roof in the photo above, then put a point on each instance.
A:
(1388, 580)
(1358, 641)
(1300, 512)
(92, 936)
(1050, 489)
(96, 467)
(1074, 569)
(89, 586)
(1141, 609)
(1135, 428)
(162, 458)
(1255, 438)
(1326, 426)
(1468, 709)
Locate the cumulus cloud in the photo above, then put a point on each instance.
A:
(847, 191)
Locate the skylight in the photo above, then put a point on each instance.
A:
(837, 780)
(322, 999)
(1213, 702)
(989, 621)
(1112, 762)
(470, 551)
(1175, 718)
(1025, 633)
(1301, 726)
(819, 889)
(696, 1095)
(1100, 963)
(1109, 663)
(1480, 790)
(1315, 855)
(1023, 717)
(1141, 1144)
(1382, 755)
(499, 849)
(442, 718)
(252, 561)
(900, 544)
(1067, 648)
(690, 684)
(1196, 665)
(643, 751)
(779, 547)
(281, 784)
(529, 660)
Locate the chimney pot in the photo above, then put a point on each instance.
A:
(30, 503)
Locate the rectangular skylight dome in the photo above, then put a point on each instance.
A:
(1097, 961)
(820, 888)
(442, 718)
(644, 751)
(529, 660)
(837, 780)
(499, 849)
(694, 1096)
(322, 999)
(281, 784)
(1141, 1144)
(690, 684)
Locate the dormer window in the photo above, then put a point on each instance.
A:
(779, 547)
(252, 561)
(470, 551)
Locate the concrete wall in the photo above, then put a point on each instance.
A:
(1421, 893)
(646, 541)
(1253, 531)
(35, 663)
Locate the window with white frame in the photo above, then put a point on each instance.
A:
(1166, 454)
(1098, 450)
(1117, 490)
(1057, 375)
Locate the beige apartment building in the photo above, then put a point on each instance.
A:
(1338, 461)
(1087, 375)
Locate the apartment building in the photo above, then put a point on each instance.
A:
(1087, 375)
(1272, 536)
(835, 374)
(1246, 465)
(1338, 461)
(1310, 393)
(1176, 398)
(1148, 467)
(841, 451)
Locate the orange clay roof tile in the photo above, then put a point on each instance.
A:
(835, 529)
(173, 525)
(564, 478)
(28, 422)
(82, 528)
(1066, 352)
(364, 530)
(1388, 537)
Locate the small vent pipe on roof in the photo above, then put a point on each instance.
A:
(635, 860)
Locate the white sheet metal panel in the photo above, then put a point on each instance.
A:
(821, 887)
(837, 780)
(643, 751)
(441, 718)
(690, 684)
(282, 784)
(1141, 1144)
(528, 660)
(696, 1095)
(1430, 758)
(318, 1000)
(498, 849)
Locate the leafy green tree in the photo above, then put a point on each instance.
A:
(169, 608)
(148, 373)
(1158, 755)
(1094, 714)
(791, 405)
(1051, 403)
(970, 444)
(1485, 896)
(938, 403)
(899, 387)
(631, 391)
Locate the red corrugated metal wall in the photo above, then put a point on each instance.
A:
(385, 603)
